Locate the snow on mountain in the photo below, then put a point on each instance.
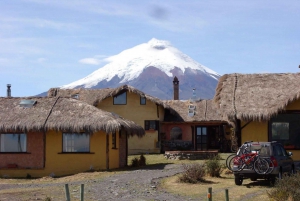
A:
(130, 63)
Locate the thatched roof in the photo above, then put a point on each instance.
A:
(204, 111)
(94, 96)
(57, 113)
(256, 96)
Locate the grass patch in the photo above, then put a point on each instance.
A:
(250, 191)
(287, 188)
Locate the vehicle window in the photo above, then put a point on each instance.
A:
(277, 151)
(283, 151)
(265, 151)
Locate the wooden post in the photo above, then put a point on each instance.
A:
(82, 192)
(107, 151)
(67, 192)
(226, 195)
(209, 194)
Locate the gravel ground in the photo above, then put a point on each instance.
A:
(133, 185)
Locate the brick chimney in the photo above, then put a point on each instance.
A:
(8, 90)
(176, 88)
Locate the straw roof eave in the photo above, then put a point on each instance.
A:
(256, 97)
(61, 114)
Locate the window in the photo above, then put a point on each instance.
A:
(143, 100)
(280, 130)
(151, 125)
(285, 128)
(120, 99)
(176, 133)
(114, 141)
(13, 142)
(76, 142)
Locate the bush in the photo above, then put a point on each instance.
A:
(136, 162)
(193, 173)
(213, 166)
(142, 160)
(287, 188)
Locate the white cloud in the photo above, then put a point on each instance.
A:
(96, 60)
(90, 61)
(39, 22)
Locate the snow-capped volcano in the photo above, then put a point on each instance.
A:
(154, 60)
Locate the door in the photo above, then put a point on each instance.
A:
(201, 133)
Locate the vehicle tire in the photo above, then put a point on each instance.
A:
(261, 166)
(272, 180)
(292, 170)
(238, 180)
(279, 175)
(253, 179)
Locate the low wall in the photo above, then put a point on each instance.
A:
(189, 155)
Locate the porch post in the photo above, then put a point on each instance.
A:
(107, 151)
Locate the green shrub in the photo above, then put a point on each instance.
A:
(213, 166)
(287, 188)
(136, 162)
(142, 160)
(193, 173)
(47, 199)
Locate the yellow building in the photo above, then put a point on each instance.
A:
(130, 103)
(60, 136)
(262, 107)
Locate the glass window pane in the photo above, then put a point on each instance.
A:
(73, 142)
(13, 142)
(120, 99)
(280, 131)
(204, 131)
(143, 101)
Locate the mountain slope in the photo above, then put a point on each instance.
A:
(151, 67)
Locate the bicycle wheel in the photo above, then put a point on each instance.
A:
(236, 163)
(228, 160)
(261, 166)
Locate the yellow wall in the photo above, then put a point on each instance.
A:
(258, 131)
(59, 164)
(138, 113)
(295, 105)
(255, 131)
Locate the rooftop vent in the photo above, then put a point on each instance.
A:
(191, 113)
(8, 90)
(27, 103)
(191, 109)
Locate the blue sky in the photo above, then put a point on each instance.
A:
(50, 43)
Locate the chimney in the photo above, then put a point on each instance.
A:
(176, 88)
(8, 90)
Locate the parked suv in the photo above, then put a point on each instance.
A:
(279, 160)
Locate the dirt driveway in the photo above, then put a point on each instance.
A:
(131, 184)
(141, 184)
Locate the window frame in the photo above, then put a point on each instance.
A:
(288, 118)
(25, 143)
(64, 149)
(143, 100)
(148, 125)
(124, 102)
